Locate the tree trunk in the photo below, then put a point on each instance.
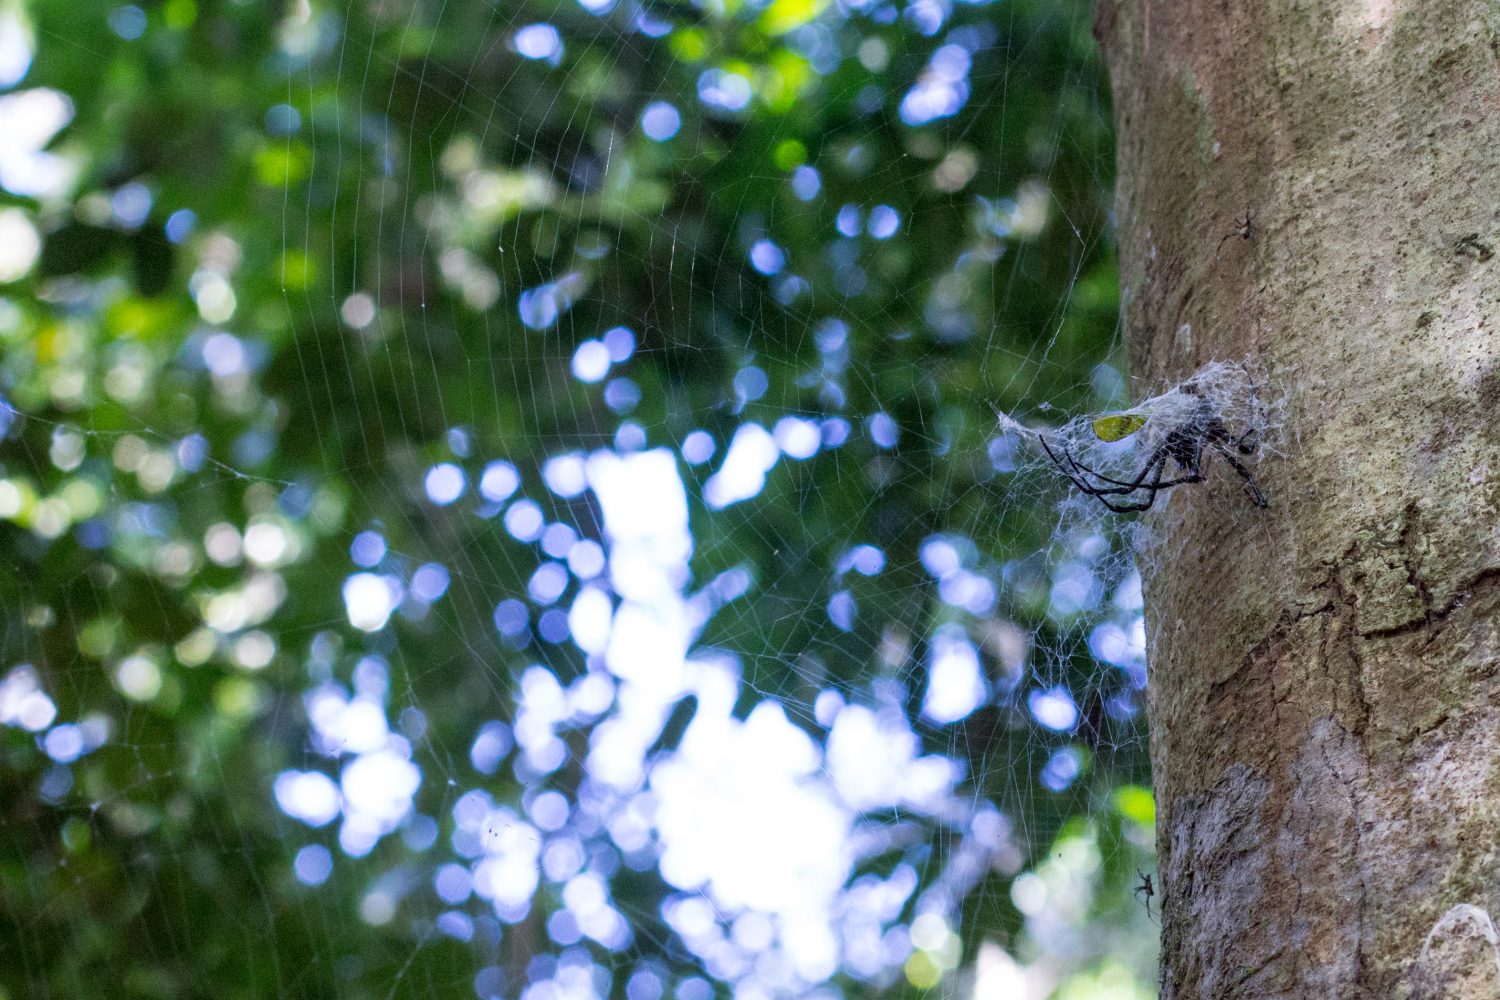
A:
(1314, 185)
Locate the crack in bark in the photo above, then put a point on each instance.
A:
(1461, 596)
(1361, 907)
(1413, 577)
(1255, 970)
(1349, 616)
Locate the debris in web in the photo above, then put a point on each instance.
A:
(1213, 423)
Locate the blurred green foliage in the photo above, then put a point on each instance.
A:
(368, 197)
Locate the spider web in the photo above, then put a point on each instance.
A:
(558, 541)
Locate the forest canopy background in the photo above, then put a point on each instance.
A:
(506, 499)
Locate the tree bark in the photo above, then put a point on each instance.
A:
(1325, 674)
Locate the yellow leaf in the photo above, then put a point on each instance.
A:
(1118, 426)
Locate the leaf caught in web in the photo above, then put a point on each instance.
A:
(1118, 426)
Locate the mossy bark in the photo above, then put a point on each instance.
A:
(1325, 674)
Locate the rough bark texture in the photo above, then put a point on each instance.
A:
(1325, 674)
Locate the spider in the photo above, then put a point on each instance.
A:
(1244, 228)
(1146, 887)
(1184, 445)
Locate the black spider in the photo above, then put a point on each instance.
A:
(1184, 445)
(1244, 228)
(1144, 887)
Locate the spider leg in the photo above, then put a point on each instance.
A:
(1193, 474)
(1157, 463)
(1149, 482)
(1130, 508)
(1158, 457)
(1081, 484)
(1256, 496)
(1079, 476)
(1157, 460)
